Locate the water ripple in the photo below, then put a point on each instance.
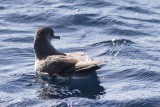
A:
(136, 9)
(125, 33)
(20, 40)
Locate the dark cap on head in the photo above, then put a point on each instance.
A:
(44, 32)
(42, 42)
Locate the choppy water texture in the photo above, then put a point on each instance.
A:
(124, 32)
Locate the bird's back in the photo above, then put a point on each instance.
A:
(73, 64)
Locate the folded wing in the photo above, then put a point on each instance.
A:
(73, 64)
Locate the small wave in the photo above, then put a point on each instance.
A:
(19, 18)
(16, 53)
(147, 102)
(110, 42)
(115, 47)
(146, 75)
(17, 83)
(136, 9)
(20, 40)
(156, 21)
(68, 1)
(108, 21)
(81, 19)
(136, 74)
(95, 4)
(5, 99)
(9, 31)
(1, 8)
(24, 102)
(126, 32)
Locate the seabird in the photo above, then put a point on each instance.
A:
(49, 61)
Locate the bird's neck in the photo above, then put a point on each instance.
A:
(44, 48)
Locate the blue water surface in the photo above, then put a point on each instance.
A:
(126, 33)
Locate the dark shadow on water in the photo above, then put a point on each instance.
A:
(88, 87)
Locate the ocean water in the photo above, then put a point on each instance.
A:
(126, 33)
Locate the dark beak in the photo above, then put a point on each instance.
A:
(55, 37)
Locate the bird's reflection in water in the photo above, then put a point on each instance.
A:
(88, 87)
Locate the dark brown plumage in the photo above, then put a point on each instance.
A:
(50, 61)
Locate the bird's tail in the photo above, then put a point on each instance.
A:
(83, 65)
(99, 62)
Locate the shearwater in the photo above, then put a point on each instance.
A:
(49, 61)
